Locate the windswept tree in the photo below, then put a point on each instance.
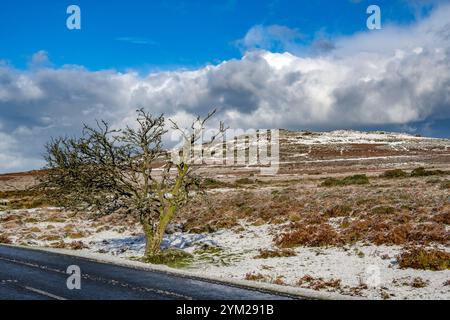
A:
(106, 169)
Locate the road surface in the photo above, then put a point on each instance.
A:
(37, 275)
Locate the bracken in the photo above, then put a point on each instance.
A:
(424, 259)
(311, 236)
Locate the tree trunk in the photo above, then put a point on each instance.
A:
(154, 236)
(166, 217)
(155, 244)
(149, 237)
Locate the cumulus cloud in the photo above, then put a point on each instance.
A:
(272, 37)
(40, 59)
(396, 76)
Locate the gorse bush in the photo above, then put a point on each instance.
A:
(245, 181)
(422, 172)
(396, 173)
(212, 183)
(445, 185)
(418, 172)
(359, 179)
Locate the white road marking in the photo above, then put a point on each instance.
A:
(45, 293)
(99, 279)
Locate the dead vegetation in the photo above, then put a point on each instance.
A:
(424, 259)
(417, 172)
(50, 227)
(394, 174)
(309, 235)
(405, 211)
(211, 183)
(256, 276)
(319, 283)
(317, 204)
(422, 172)
(370, 230)
(445, 185)
(22, 199)
(267, 254)
(330, 205)
(252, 276)
(401, 213)
(171, 257)
(416, 282)
(359, 179)
(75, 245)
(4, 239)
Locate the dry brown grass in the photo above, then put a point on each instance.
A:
(418, 282)
(422, 172)
(340, 210)
(424, 259)
(77, 245)
(23, 199)
(443, 218)
(377, 230)
(50, 237)
(407, 233)
(266, 254)
(76, 235)
(279, 281)
(405, 211)
(4, 239)
(255, 276)
(394, 174)
(316, 235)
(319, 283)
(11, 218)
(359, 179)
(252, 276)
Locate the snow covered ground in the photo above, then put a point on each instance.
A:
(358, 265)
(360, 270)
(359, 137)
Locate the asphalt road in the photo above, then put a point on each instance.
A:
(37, 275)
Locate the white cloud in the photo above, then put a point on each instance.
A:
(395, 76)
(40, 59)
(272, 37)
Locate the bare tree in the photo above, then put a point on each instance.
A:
(107, 169)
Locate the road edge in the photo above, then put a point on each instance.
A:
(299, 293)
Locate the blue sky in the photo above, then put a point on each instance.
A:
(301, 65)
(155, 35)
